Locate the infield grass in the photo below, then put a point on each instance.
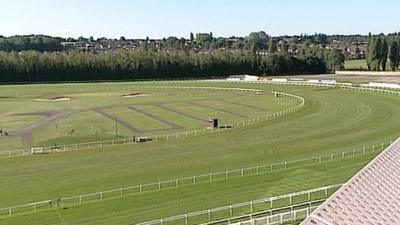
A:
(332, 120)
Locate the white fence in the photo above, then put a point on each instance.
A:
(164, 137)
(292, 215)
(81, 199)
(368, 73)
(222, 175)
(343, 86)
(26, 208)
(171, 136)
(265, 206)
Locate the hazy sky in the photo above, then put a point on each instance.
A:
(163, 18)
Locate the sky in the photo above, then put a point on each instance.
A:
(164, 18)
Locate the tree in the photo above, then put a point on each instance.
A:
(191, 37)
(203, 38)
(284, 47)
(394, 55)
(334, 60)
(320, 38)
(370, 51)
(272, 46)
(384, 53)
(146, 43)
(374, 53)
(257, 41)
(33, 66)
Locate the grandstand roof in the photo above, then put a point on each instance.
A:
(371, 197)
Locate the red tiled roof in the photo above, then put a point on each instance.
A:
(372, 197)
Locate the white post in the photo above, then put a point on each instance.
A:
(122, 192)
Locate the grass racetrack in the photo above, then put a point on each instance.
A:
(332, 120)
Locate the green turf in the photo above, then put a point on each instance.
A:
(78, 128)
(360, 64)
(148, 206)
(332, 120)
(90, 113)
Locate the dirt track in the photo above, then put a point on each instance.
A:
(181, 113)
(168, 123)
(218, 109)
(26, 132)
(244, 105)
(119, 120)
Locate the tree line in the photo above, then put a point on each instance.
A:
(380, 48)
(39, 43)
(142, 63)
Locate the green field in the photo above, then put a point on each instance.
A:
(90, 112)
(360, 64)
(331, 121)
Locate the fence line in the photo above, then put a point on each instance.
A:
(107, 143)
(266, 205)
(81, 199)
(343, 86)
(263, 218)
(162, 137)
